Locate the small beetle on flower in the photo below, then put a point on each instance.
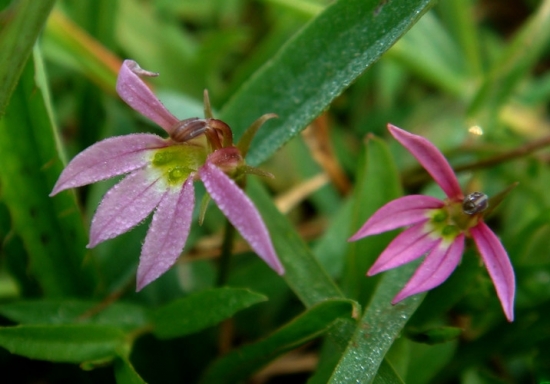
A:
(438, 228)
(160, 177)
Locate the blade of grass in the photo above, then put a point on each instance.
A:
(377, 184)
(71, 343)
(240, 364)
(18, 31)
(379, 327)
(520, 56)
(51, 228)
(315, 66)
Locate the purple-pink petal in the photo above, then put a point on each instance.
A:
(431, 159)
(167, 234)
(108, 158)
(138, 96)
(435, 269)
(498, 265)
(126, 205)
(397, 213)
(241, 212)
(406, 247)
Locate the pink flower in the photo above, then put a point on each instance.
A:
(438, 229)
(160, 177)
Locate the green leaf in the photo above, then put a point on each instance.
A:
(387, 375)
(123, 315)
(64, 343)
(381, 324)
(532, 240)
(67, 44)
(458, 16)
(427, 360)
(51, 228)
(334, 242)
(201, 310)
(315, 66)
(377, 183)
(303, 273)
(305, 7)
(441, 62)
(18, 33)
(240, 364)
(125, 372)
(510, 69)
(160, 45)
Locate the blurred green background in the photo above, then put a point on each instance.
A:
(472, 76)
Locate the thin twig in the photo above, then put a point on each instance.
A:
(420, 177)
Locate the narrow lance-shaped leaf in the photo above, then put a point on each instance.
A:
(315, 66)
(125, 372)
(201, 310)
(17, 36)
(377, 183)
(74, 343)
(241, 363)
(67, 43)
(303, 273)
(63, 311)
(441, 63)
(52, 229)
(519, 57)
(305, 276)
(381, 324)
(387, 375)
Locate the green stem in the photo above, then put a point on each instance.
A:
(226, 327)
(225, 257)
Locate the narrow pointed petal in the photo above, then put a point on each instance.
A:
(397, 213)
(408, 246)
(167, 234)
(108, 158)
(498, 265)
(126, 205)
(241, 212)
(435, 269)
(138, 96)
(431, 159)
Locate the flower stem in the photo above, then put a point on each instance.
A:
(225, 336)
(225, 258)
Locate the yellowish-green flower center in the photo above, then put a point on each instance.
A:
(448, 222)
(177, 162)
(440, 216)
(450, 231)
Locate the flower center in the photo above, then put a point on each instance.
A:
(458, 216)
(177, 162)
